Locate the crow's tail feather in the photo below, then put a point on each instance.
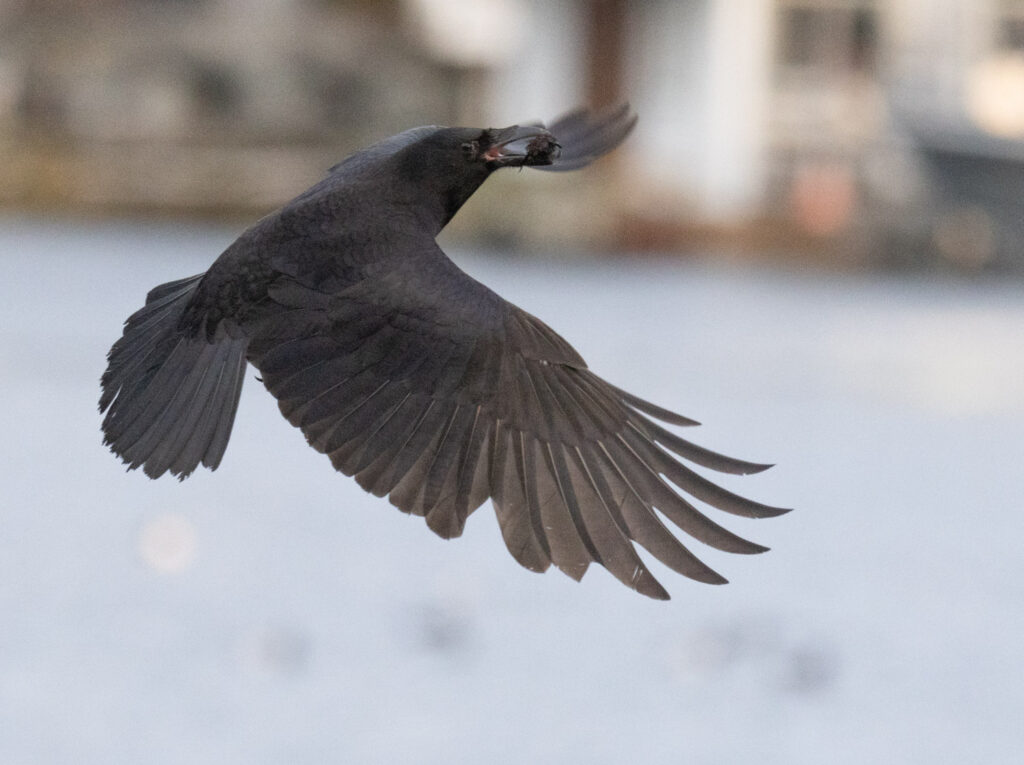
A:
(170, 398)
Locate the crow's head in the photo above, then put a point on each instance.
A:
(446, 165)
(431, 171)
(470, 152)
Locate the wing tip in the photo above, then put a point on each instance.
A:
(680, 420)
(574, 570)
(443, 521)
(647, 585)
(705, 575)
(767, 511)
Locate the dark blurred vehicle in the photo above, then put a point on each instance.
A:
(976, 180)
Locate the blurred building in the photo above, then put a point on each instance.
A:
(845, 129)
(862, 131)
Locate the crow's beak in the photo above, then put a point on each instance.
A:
(522, 147)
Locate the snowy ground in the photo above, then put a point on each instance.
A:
(272, 612)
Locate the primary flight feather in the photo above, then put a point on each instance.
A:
(413, 377)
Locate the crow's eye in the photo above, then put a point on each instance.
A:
(470, 149)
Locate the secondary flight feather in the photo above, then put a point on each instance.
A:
(413, 377)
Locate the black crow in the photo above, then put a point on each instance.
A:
(413, 377)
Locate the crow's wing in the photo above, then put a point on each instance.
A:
(585, 135)
(430, 388)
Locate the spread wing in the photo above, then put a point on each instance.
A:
(436, 392)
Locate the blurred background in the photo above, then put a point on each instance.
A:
(847, 132)
(813, 243)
